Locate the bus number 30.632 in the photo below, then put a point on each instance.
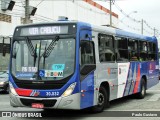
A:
(52, 93)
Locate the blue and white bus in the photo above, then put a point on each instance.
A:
(76, 65)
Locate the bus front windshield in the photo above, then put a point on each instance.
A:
(43, 59)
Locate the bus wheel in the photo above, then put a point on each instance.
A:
(103, 100)
(142, 93)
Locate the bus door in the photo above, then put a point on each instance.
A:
(87, 67)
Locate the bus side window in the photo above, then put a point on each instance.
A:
(87, 52)
(133, 50)
(152, 51)
(143, 49)
(121, 48)
(106, 51)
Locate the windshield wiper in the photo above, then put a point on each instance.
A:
(35, 55)
(32, 50)
(49, 49)
(51, 46)
(44, 58)
(46, 53)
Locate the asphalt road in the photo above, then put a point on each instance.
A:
(128, 106)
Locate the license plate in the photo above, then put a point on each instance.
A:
(37, 105)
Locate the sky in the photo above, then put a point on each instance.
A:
(148, 10)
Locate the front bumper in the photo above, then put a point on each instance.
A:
(69, 102)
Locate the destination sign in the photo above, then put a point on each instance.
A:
(43, 30)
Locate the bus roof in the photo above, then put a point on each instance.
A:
(123, 33)
(119, 32)
(134, 35)
(105, 29)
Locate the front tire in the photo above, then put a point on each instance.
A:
(103, 100)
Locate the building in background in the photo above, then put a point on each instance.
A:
(5, 44)
(49, 11)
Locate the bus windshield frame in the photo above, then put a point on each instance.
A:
(37, 71)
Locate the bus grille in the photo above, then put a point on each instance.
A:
(47, 103)
(39, 86)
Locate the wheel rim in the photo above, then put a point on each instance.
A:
(100, 99)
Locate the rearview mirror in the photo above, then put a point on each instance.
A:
(15, 49)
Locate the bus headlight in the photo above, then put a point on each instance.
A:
(12, 90)
(69, 90)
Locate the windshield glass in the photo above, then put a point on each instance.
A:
(43, 59)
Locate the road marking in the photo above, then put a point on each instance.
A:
(155, 97)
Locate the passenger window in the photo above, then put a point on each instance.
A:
(87, 52)
(121, 44)
(106, 51)
(133, 50)
(143, 51)
(152, 51)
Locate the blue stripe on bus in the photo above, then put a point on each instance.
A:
(145, 70)
(125, 93)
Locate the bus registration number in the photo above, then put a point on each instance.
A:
(52, 93)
